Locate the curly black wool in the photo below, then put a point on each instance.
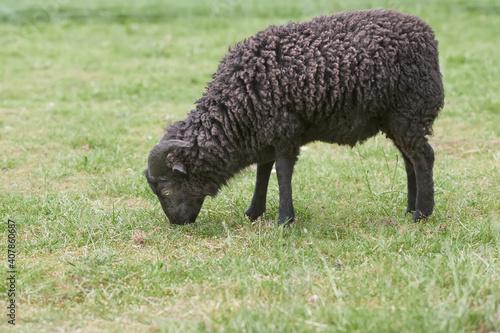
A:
(338, 79)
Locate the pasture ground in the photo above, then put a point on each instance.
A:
(85, 91)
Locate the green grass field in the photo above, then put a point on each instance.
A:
(86, 89)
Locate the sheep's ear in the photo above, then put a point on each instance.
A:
(179, 169)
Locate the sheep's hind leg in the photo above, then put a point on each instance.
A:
(423, 162)
(258, 205)
(284, 171)
(411, 183)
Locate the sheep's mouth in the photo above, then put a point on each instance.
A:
(190, 220)
(183, 221)
(185, 213)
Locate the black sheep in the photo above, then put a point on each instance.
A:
(338, 79)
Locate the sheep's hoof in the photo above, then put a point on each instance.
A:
(286, 222)
(419, 216)
(252, 215)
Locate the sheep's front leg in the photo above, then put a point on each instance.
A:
(258, 205)
(284, 171)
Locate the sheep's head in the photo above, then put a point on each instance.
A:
(180, 207)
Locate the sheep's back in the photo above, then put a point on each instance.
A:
(341, 69)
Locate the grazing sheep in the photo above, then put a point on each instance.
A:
(338, 79)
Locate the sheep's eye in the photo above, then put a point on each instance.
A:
(165, 192)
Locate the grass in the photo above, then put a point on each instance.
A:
(85, 91)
